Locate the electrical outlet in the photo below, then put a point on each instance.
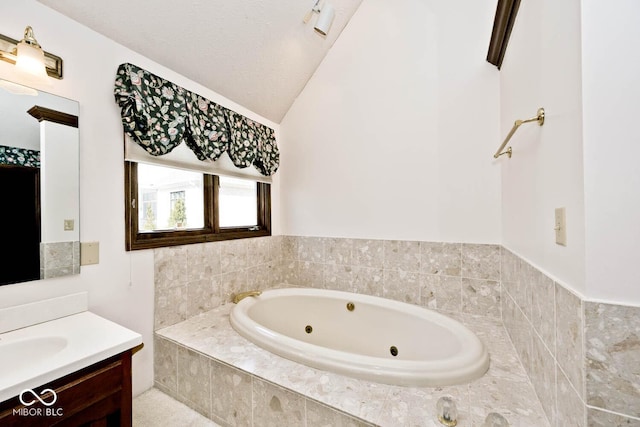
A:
(561, 227)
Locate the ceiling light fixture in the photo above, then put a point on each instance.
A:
(327, 13)
(34, 64)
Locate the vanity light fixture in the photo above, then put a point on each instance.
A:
(327, 13)
(34, 63)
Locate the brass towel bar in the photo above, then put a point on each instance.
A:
(538, 118)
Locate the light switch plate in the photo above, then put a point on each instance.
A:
(561, 227)
(89, 253)
(69, 225)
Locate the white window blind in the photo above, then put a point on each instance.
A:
(183, 158)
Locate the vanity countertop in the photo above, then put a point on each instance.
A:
(37, 354)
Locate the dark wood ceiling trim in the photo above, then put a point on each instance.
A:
(506, 13)
(42, 113)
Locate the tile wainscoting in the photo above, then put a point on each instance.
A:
(59, 259)
(192, 279)
(580, 356)
(449, 277)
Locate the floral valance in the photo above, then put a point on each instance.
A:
(159, 115)
(19, 156)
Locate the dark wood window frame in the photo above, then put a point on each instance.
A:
(506, 12)
(211, 232)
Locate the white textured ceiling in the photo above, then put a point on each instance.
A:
(257, 53)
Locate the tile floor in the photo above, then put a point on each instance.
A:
(155, 409)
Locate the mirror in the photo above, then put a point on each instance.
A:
(40, 174)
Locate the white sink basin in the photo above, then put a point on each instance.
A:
(38, 354)
(23, 353)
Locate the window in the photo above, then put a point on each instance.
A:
(166, 207)
(148, 209)
(238, 204)
(171, 199)
(178, 215)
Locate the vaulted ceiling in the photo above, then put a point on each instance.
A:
(257, 53)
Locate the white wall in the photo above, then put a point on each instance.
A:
(21, 129)
(575, 58)
(611, 91)
(59, 178)
(392, 137)
(121, 286)
(542, 68)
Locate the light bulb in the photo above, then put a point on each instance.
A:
(30, 60)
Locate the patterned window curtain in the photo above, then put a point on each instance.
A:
(159, 115)
(268, 156)
(244, 142)
(153, 109)
(208, 134)
(19, 157)
(252, 143)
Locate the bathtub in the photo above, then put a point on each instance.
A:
(362, 336)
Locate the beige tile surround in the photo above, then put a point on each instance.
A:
(59, 259)
(450, 277)
(548, 325)
(250, 386)
(583, 358)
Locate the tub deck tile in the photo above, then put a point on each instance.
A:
(211, 334)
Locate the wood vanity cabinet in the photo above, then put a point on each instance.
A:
(99, 395)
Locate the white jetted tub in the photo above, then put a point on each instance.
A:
(362, 336)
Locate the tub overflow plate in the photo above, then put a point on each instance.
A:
(350, 306)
